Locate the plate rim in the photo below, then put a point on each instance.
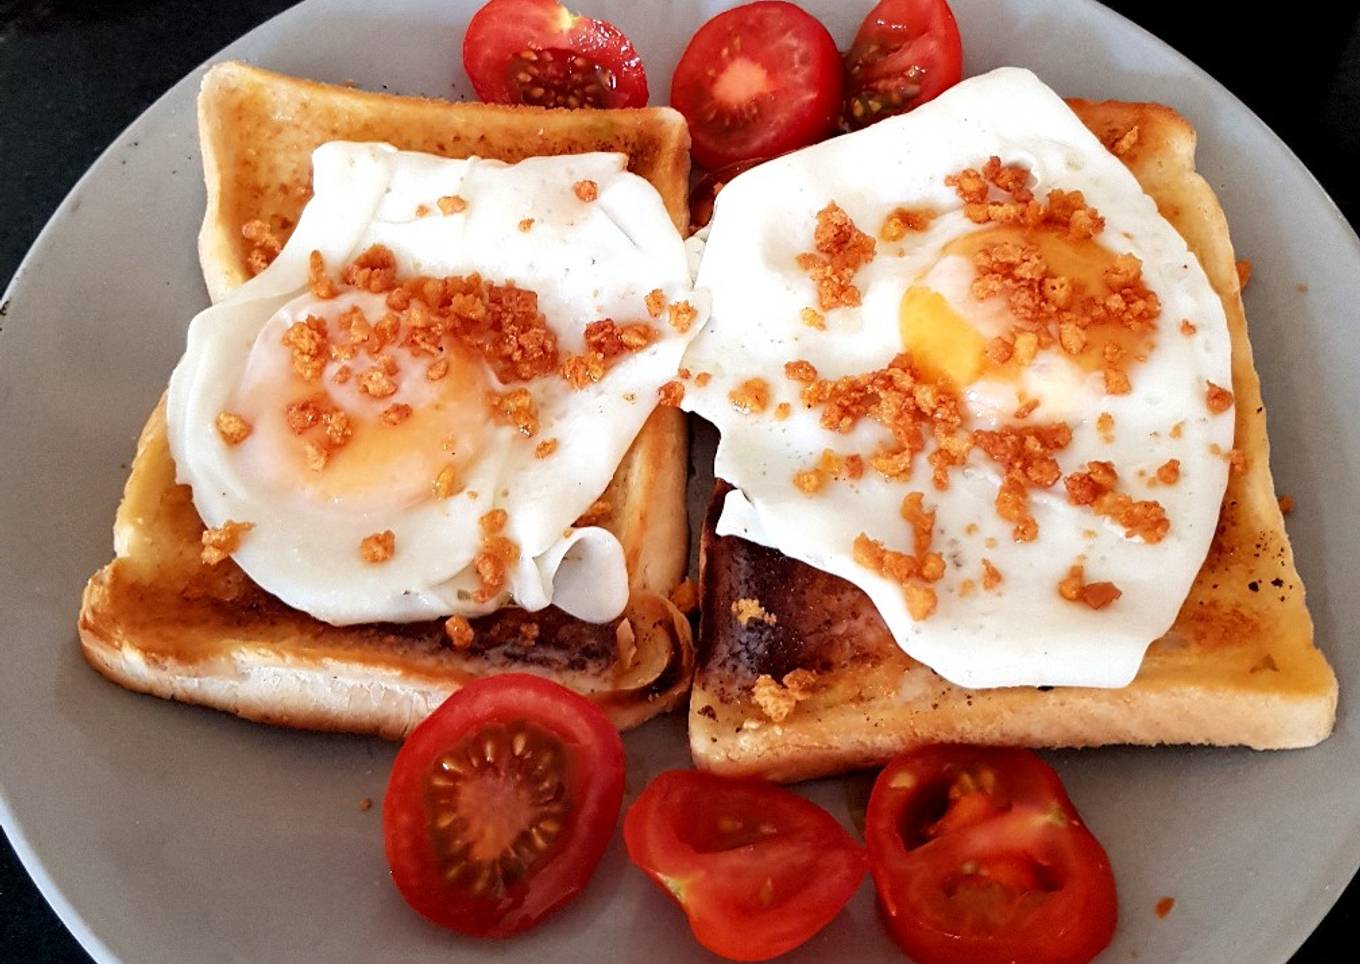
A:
(1295, 930)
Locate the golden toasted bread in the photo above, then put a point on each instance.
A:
(159, 621)
(1238, 667)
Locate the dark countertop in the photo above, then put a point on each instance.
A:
(72, 75)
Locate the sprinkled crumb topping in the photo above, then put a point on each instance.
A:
(841, 249)
(220, 542)
(378, 547)
(681, 315)
(451, 204)
(813, 319)
(545, 448)
(446, 483)
(655, 302)
(1105, 427)
(745, 610)
(1169, 472)
(777, 701)
(1026, 457)
(1096, 487)
(751, 397)
(265, 244)
(526, 225)
(232, 427)
(703, 378)
(586, 190)
(902, 220)
(672, 393)
(517, 408)
(991, 576)
(1218, 399)
(318, 280)
(1075, 588)
(1187, 327)
(685, 596)
(459, 631)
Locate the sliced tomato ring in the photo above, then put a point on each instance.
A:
(538, 52)
(758, 869)
(755, 81)
(979, 856)
(501, 804)
(905, 53)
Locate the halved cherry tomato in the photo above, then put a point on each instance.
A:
(756, 81)
(501, 804)
(705, 192)
(539, 52)
(757, 869)
(980, 857)
(905, 53)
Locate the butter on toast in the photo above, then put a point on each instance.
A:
(157, 620)
(1238, 667)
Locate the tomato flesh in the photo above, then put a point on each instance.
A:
(757, 869)
(501, 804)
(979, 856)
(538, 52)
(756, 81)
(905, 53)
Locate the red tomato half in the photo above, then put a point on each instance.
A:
(758, 869)
(539, 52)
(980, 857)
(501, 803)
(905, 53)
(756, 81)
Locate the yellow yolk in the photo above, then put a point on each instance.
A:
(943, 346)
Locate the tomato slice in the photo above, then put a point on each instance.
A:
(980, 857)
(905, 53)
(540, 53)
(705, 192)
(501, 804)
(756, 81)
(758, 869)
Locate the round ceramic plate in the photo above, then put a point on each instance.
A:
(163, 832)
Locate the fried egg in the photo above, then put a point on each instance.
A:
(434, 447)
(1007, 610)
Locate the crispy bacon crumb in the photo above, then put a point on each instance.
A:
(1096, 487)
(1026, 457)
(745, 610)
(221, 542)
(681, 315)
(1286, 504)
(598, 512)
(1218, 399)
(395, 414)
(459, 631)
(685, 596)
(751, 397)
(497, 555)
(671, 394)
(901, 220)
(991, 576)
(813, 319)
(1165, 905)
(265, 244)
(232, 427)
(318, 280)
(702, 379)
(586, 190)
(316, 454)
(451, 204)
(446, 483)
(494, 521)
(782, 411)
(377, 383)
(308, 343)
(378, 547)
(809, 481)
(777, 701)
(517, 408)
(1075, 588)
(526, 225)
(800, 371)
(374, 271)
(1105, 427)
(841, 249)
(1169, 472)
(655, 302)
(437, 370)
(545, 448)
(1187, 327)
(1243, 272)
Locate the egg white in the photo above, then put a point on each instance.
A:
(1024, 633)
(586, 261)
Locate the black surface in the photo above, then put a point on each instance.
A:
(72, 75)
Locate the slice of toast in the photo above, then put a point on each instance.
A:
(157, 620)
(1238, 667)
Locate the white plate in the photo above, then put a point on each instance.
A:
(167, 833)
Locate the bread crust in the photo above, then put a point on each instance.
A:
(158, 621)
(1239, 666)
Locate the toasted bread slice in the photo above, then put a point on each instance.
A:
(158, 621)
(1238, 667)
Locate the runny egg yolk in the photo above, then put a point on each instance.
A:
(392, 461)
(948, 347)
